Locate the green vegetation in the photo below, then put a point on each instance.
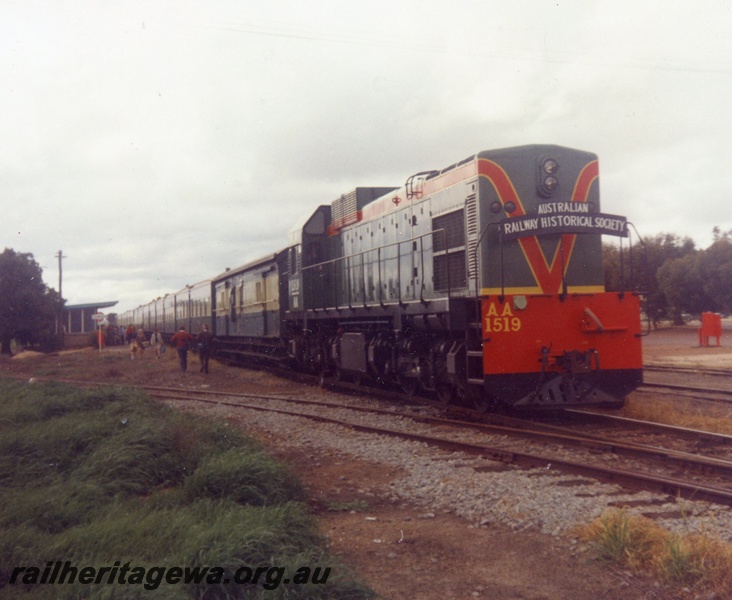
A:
(677, 278)
(352, 506)
(699, 562)
(107, 477)
(27, 307)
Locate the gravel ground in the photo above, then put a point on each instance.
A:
(486, 492)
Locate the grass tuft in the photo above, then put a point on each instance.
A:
(696, 561)
(690, 414)
(244, 477)
(104, 476)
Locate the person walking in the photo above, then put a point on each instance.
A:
(181, 341)
(141, 341)
(204, 343)
(156, 341)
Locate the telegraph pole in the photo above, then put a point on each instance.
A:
(59, 309)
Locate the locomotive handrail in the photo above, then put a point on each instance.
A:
(381, 285)
(420, 177)
(564, 293)
(443, 231)
(399, 274)
(348, 270)
(564, 282)
(363, 281)
(361, 254)
(421, 260)
(645, 260)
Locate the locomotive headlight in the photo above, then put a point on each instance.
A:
(547, 182)
(520, 302)
(550, 184)
(550, 166)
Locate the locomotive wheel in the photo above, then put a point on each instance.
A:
(445, 392)
(409, 385)
(340, 375)
(481, 403)
(472, 398)
(614, 405)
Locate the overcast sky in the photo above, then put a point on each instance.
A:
(158, 142)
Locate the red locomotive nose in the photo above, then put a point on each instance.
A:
(555, 351)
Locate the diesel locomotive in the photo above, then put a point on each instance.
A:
(481, 282)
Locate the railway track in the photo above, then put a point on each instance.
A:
(687, 391)
(516, 442)
(676, 461)
(688, 371)
(713, 385)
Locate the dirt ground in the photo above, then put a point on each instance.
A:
(397, 549)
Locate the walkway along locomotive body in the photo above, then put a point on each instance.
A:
(482, 281)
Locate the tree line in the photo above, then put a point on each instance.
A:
(28, 307)
(678, 279)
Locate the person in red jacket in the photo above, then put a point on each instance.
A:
(181, 341)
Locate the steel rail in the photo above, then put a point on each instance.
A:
(496, 424)
(621, 476)
(688, 392)
(689, 370)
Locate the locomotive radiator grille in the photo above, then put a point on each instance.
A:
(449, 251)
(471, 224)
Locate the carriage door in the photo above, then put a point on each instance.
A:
(262, 297)
(231, 321)
(223, 307)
